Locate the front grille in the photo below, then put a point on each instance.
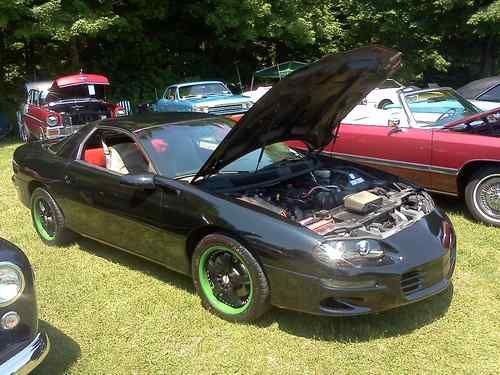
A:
(83, 118)
(225, 109)
(411, 282)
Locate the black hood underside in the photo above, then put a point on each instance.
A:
(308, 105)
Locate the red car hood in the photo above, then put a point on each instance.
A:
(307, 105)
(80, 79)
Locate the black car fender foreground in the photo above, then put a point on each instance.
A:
(22, 345)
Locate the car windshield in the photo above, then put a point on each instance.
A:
(203, 90)
(76, 92)
(181, 150)
(438, 107)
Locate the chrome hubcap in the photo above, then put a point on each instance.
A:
(489, 197)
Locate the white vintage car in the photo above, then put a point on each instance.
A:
(384, 95)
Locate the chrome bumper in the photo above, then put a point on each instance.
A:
(28, 358)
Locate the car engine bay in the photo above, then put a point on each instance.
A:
(342, 202)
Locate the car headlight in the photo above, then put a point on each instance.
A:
(11, 283)
(120, 112)
(352, 253)
(248, 105)
(203, 109)
(52, 120)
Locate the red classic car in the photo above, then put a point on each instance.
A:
(434, 138)
(58, 108)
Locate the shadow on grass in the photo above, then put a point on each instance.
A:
(9, 141)
(64, 351)
(452, 205)
(396, 322)
(136, 263)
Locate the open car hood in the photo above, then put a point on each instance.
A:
(80, 79)
(307, 105)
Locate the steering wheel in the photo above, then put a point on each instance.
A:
(449, 113)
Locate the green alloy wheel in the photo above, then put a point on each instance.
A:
(48, 219)
(44, 219)
(229, 280)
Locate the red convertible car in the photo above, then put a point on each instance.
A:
(433, 137)
(58, 108)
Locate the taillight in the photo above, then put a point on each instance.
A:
(446, 235)
(119, 111)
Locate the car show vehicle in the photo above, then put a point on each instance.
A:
(483, 93)
(211, 97)
(255, 223)
(23, 346)
(435, 138)
(58, 108)
(385, 94)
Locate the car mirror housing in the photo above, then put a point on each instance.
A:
(139, 181)
(394, 121)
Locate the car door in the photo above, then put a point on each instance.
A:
(400, 150)
(97, 205)
(169, 102)
(35, 117)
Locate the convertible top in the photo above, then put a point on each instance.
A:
(475, 88)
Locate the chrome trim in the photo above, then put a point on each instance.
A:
(395, 163)
(34, 118)
(28, 358)
(442, 192)
(23, 284)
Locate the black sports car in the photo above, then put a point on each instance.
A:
(254, 222)
(22, 345)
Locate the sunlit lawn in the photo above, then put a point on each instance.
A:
(108, 312)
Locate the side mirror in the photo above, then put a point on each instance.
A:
(393, 122)
(139, 181)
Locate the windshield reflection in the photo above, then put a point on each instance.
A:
(438, 107)
(180, 150)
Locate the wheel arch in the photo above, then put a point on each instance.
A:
(199, 233)
(469, 169)
(32, 185)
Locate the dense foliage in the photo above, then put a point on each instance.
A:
(144, 45)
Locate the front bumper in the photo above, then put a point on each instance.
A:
(51, 133)
(425, 269)
(24, 361)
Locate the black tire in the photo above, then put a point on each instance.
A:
(48, 219)
(482, 196)
(383, 103)
(255, 298)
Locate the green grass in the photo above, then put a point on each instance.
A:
(109, 312)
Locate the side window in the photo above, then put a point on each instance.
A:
(115, 151)
(170, 93)
(36, 97)
(492, 95)
(30, 97)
